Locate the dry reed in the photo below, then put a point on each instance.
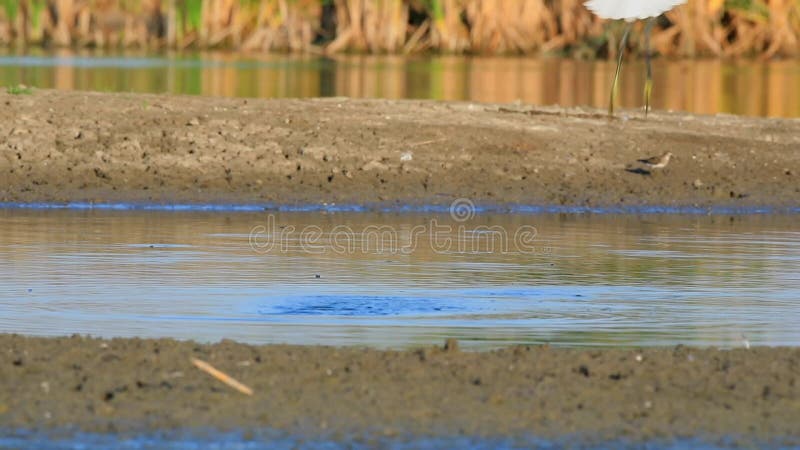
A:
(728, 28)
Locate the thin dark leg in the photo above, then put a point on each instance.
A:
(619, 66)
(648, 81)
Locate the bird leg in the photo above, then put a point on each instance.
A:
(648, 81)
(619, 66)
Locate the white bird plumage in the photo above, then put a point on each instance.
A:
(630, 11)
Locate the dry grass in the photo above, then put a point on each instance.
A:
(370, 25)
(726, 28)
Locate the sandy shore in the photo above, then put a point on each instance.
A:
(75, 146)
(143, 385)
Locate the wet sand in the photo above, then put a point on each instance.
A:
(60, 147)
(134, 385)
(77, 146)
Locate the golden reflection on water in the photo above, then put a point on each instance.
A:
(708, 86)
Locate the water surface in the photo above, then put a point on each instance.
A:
(400, 280)
(706, 86)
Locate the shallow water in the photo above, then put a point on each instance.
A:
(709, 86)
(274, 441)
(400, 280)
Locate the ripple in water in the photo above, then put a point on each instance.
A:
(586, 279)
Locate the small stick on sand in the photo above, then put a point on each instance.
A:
(432, 141)
(221, 376)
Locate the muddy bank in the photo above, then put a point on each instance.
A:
(136, 385)
(75, 146)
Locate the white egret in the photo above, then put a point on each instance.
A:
(630, 11)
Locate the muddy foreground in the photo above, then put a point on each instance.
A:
(77, 146)
(129, 385)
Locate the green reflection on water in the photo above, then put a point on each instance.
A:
(755, 88)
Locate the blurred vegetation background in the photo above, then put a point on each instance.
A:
(727, 28)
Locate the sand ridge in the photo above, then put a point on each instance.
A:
(143, 384)
(97, 147)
